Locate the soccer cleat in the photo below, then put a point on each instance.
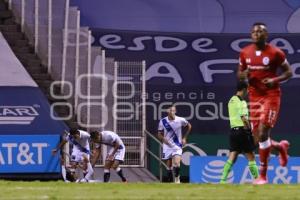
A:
(177, 180)
(283, 155)
(260, 181)
(223, 182)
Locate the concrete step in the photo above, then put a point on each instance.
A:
(24, 49)
(136, 174)
(41, 76)
(20, 43)
(26, 56)
(34, 63)
(9, 21)
(10, 28)
(13, 36)
(5, 14)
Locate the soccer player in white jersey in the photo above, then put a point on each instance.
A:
(170, 133)
(80, 152)
(115, 152)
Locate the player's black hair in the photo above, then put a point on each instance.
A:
(74, 131)
(258, 24)
(241, 85)
(94, 134)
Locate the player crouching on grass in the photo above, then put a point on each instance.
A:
(115, 149)
(169, 132)
(80, 152)
(241, 139)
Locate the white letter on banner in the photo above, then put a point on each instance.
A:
(297, 168)
(153, 72)
(235, 45)
(139, 46)
(110, 39)
(283, 44)
(200, 44)
(39, 147)
(159, 40)
(2, 162)
(208, 73)
(9, 147)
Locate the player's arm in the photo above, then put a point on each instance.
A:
(96, 155)
(285, 75)
(244, 115)
(243, 71)
(246, 122)
(187, 132)
(59, 147)
(116, 146)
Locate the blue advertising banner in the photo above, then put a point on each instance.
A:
(197, 73)
(25, 110)
(28, 154)
(208, 169)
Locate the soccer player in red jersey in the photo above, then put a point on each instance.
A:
(260, 63)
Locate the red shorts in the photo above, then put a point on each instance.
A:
(263, 110)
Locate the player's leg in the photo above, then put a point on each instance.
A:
(176, 159)
(264, 152)
(107, 166)
(252, 164)
(234, 147)
(167, 158)
(119, 158)
(169, 170)
(248, 147)
(118, 169)
(88, 169)
(282, 146)
(228, 165)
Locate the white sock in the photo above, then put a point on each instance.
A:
(90, 171)
(64, 172)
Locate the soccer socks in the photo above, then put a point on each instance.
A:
(64, 172)
(253, 168)
(170, 174)
(226, 170)
(106, 175)
(264, 153)
(120, 173)
(176, 171)
(90, 171)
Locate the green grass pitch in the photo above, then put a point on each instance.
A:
(60, 190)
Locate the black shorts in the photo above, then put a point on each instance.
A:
(241, 140)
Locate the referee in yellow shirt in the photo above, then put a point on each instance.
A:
(241, 139)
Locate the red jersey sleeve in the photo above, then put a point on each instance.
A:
(280, 57)
(242, 62)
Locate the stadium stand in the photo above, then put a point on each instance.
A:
(56, 59)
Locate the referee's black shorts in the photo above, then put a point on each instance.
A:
(241, 140)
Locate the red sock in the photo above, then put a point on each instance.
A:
(263, 158)
(276, 145)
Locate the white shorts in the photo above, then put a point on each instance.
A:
(119, 155)
(78, 156)
(169, 153)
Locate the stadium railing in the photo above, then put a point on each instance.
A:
(156, 157)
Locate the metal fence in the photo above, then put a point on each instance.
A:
(100, 91)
